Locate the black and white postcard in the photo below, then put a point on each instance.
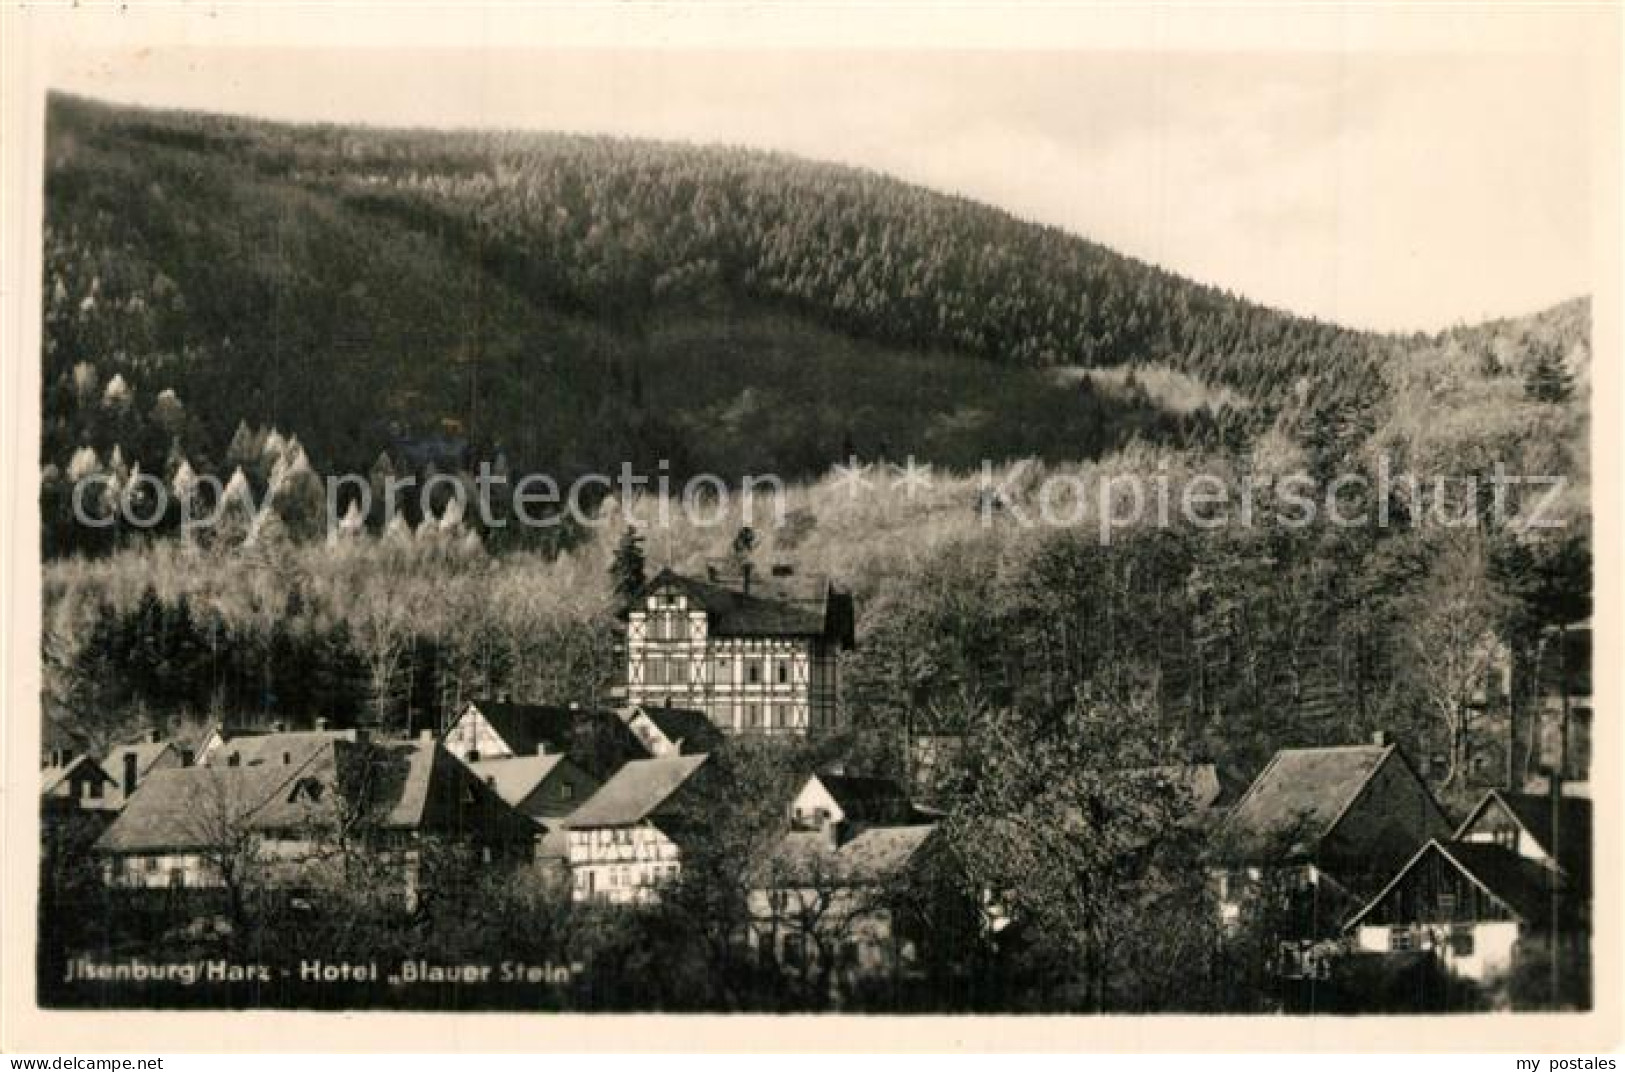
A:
(902, 515)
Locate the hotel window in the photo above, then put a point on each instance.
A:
(753, 716)
(723, 671)
(654, 671)
(753, 671)
(677, 672)
(783, 672)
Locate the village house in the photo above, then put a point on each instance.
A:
(130, 764)
(672, 731)
(60, 744)
(298, 805)
(80, 785)
(1552, 830)
(1472, 904)
(1518, 871)
(542, 787)
(626, 841)
(597, 741)
(756, 654)
(546, 789)
(838, 801)
(827, 908)
(275, 743)
(1316, 833)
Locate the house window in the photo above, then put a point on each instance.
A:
(1461, 941)
(1507, 838)
(1401, 940)
(150, 864)
(1447, 903)
(177, 878)
(567, 791)
(669, 626)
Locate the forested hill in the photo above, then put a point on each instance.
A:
(575, 299)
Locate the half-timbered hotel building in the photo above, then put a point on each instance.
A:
(755, 654)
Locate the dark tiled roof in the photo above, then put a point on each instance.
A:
(56, 781)
(273, 749)
(636, 792)
(401, 785)
(1534, 813)
(1522, 885)
(868, 800)
(193, 808)
(515, 777)
(800, 605)
(681, 726)
(597, 740)
(1297, 799)
(872, 855)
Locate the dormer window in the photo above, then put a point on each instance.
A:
(306, 789)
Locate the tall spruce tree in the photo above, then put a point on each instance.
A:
(626, 569)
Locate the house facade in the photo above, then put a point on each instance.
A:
(1316, 833)
(545, 787)
(129, 764)
(1516, 874)
(597, 741)
(1472, 905)
(625, 842)
(1549, 829)
(754, 654)
(827, 909)
(79, 785)
(280, 820)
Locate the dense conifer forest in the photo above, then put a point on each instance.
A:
(269, 303)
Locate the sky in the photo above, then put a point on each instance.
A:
(1393, 192)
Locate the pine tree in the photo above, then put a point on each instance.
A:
(626, 569)
(744, 543)
(1548, 379)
